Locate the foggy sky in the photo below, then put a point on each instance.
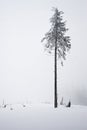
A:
(26, 70)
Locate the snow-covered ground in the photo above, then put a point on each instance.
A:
(43, 117)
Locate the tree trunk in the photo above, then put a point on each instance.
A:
(55, 76)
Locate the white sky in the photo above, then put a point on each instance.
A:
(26, 71)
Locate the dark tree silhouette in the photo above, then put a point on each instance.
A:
(57, 42)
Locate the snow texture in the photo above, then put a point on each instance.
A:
(42, 117)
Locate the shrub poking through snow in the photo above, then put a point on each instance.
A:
(69, 104)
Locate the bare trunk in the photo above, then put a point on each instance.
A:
(55, 76)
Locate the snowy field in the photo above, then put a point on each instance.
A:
(43, 117)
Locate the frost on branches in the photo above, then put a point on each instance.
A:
(55, 37)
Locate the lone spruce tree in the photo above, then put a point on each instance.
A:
(57, 42)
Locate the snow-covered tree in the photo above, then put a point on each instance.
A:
(57, 42)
